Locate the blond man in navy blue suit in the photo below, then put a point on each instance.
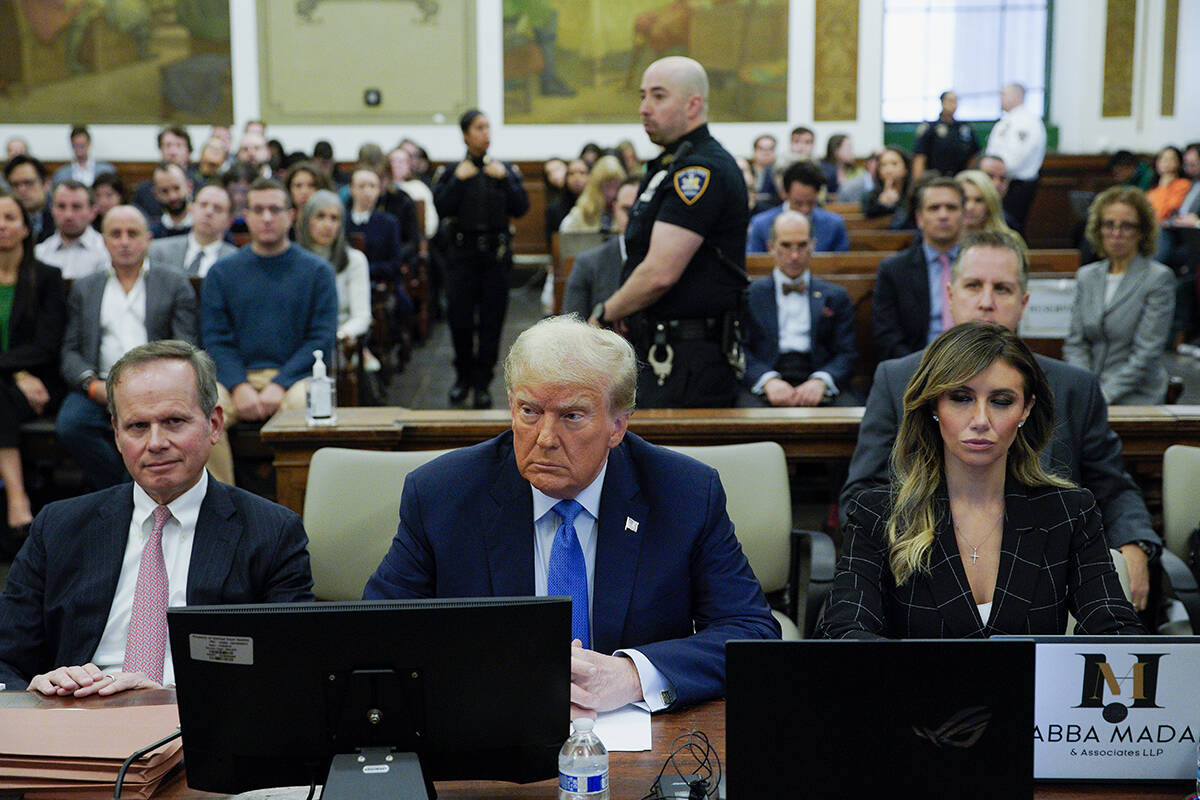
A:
(800, 337)
(68, 604)
(662, 580)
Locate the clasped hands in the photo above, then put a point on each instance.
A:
(600, 682)
(781, 393)
(466, 170)
(81, 681)
(256, 405)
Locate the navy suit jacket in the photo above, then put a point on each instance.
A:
(1053, 559)
(381, 244)
(61, 585)
(831, 334)
(1084, 449)
(676, 588)
(900, 309)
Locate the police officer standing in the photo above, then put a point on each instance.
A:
(477, 196)
(945, 144)
(685, 273)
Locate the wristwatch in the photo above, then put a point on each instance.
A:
(598, 315)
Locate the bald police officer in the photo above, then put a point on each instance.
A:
(685, 272)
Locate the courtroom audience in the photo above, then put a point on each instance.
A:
(981, 204)
(845, 181)
(596, 273)
(30, 185)
(590, 153)
(893, 188)
(802, 184)
(213, 157)
(593, 211)
(82, 167)
(577, 178)
(974, 537)
(109, 192)
(323, 157)
(174, 147)
(1170, 185)
(194, 253)
(173, 191)
(1173, 249)
(380, 231)
(629, 157)
(303, 179)
(320, 229)
(75, 247)
(554, 178)
(422, 169)
(764, 189)
(32, 314)
(1124, 303)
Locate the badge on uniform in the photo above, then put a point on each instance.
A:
(690, 183)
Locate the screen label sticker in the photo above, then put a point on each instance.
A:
(221, 649)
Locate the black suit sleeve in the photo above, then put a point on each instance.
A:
(876, 433)
(855, 609)
(887, 325)
(23, 645)
(1094, 595)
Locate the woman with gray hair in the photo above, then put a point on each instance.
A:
(1124, 304)
(321, 230)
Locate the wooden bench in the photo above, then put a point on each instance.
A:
(807, 435)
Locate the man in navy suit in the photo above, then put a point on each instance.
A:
(84, 609)
(569, 503)
(910, 307)
(800, 333)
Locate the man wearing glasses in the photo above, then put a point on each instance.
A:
(263, 311)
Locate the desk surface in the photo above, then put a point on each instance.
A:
(630, 773)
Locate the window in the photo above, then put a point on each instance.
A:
(971, 46)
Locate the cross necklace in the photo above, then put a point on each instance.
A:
(975, 547)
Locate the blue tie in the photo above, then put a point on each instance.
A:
(567, 574)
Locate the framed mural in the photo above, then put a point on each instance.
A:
(115, 61)
(356, 62)
(581, 61)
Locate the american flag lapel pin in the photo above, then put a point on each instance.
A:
(631, 524)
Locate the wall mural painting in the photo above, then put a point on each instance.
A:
(581, 61)
(115, 61)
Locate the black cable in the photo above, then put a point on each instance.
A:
(136, 755)
(706, 783)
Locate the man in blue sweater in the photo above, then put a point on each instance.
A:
(263, 311)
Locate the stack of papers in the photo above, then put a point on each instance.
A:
(75, 751)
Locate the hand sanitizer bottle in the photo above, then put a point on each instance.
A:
(322, 409)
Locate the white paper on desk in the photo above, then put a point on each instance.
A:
(624, 729)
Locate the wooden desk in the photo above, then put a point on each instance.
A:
(806, 434)
(630, 774)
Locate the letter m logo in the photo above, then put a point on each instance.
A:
(1139, 684)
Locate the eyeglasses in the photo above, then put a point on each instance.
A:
(1111, 226)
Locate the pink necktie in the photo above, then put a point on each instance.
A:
(146, 644)
(947, 320)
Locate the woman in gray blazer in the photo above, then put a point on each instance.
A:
(1124, 304)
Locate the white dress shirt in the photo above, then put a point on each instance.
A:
(76, 259)
(795, 328)
(210, 253)
(1020, 139)
(177, 538)
(122, 319)
(545, 527)
(360, 217)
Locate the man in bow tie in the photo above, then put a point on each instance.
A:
(800, 334)
(570, 503)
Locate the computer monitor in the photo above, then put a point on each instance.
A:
(402, 690)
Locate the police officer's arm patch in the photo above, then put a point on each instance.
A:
(691, 183)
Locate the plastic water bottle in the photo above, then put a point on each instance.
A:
(320, 408)
(583, 765)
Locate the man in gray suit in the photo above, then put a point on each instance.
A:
(597, 272)
(989, 281)
(195, 253)
(108, 314)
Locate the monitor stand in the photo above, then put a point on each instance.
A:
(375, 772)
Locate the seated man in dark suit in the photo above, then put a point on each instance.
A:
(909, 308)
(597, 272)
(108, 314)
(800, 332)
(989, 284)
(569, 503)
(173, 190)
(84, 611)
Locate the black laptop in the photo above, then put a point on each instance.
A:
(915, 718)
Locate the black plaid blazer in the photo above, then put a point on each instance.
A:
(1053, 559)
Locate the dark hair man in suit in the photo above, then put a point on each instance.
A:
(84, 609)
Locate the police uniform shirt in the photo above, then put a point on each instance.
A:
(947, 146)
(704, 192)
(480, 204)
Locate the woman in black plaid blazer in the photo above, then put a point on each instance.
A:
(973, 538)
